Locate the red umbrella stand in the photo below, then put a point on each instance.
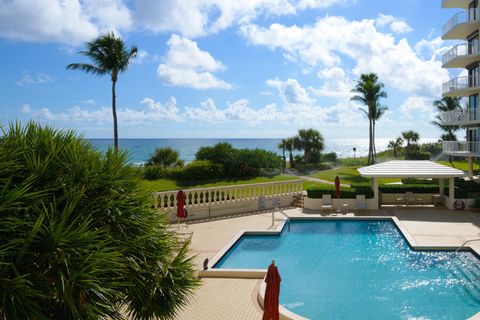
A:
(272, 294)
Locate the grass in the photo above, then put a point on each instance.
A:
(167, 185)
(461, 165)
(348, 175)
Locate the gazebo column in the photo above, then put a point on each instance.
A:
(376, 195)
(451, 192)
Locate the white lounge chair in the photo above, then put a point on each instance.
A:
(361, 202)
(399, 199)
(327, 202)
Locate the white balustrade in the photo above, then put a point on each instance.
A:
(228, 194)
(460, 117)
(461, 148)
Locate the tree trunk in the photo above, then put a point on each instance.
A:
(370, 145)
(114, 113)
(373, 142)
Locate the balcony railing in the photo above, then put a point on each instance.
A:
(460, 117)
(227, 194)
(461, 83)
(461, 50)
(461, 148)
(461, 17)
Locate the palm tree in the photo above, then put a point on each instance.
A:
(379, 111)
(109, 56)
(281, 145)
(289, 146)
(411, 137)
(369, 93)
(445, 105)
(310, 141)
(395, 145)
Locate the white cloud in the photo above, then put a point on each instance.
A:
(186, 65)
(89, 101)
(396, 25)
(336, 83)
(28, 79)
(194, 18)
(332, 39)
(72, 21)
(291, 92)
(141, 56)
(417, 107)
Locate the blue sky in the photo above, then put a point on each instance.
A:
(225, 68)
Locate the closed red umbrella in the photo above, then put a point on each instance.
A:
(180, 205)
(272, 293)
(337, 187)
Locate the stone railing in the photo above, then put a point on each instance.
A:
(201, 197)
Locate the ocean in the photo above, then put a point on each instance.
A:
(139, 150)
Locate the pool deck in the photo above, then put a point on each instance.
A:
(227, 298)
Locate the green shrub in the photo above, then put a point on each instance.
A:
(165, 157)
(402, 188)
(201, 170)
(78, 238)
(239, 162)
(154, 172)
(316, 192)
(418, 155)
(420, 181)
(476, 203)
(329, 157)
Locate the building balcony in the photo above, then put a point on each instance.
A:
(461, 86)
(456, 3)
(460, 117)
(461, 25)
(461, 148)
(462, 55)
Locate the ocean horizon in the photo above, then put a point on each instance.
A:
(139, 150)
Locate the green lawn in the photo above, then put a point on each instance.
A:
(347, 175)
(167, 185)
(461, 165)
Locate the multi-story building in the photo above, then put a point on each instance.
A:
(463, 26)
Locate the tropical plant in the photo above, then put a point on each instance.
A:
(446, 104)
(109, 56)
(281, 145)
(310, 141)
(395, 145)
(290, 146)
(410, 137)
(165, 157)
(78, 238)
(369, 92)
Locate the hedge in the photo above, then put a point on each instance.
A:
(316, 192)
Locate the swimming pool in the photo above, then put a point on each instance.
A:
(350, 269)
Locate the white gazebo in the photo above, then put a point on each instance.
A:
(413, 169)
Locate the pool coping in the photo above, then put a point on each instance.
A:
(286, 314)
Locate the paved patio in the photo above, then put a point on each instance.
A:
(236, 298)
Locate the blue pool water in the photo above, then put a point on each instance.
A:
(361, 270)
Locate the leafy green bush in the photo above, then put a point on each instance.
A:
(201, 170)
(154, 172)
(239, 162)
(420, 181)
(165, 157)
(316, 192)
(402, 188)
(476, 203)
(418, 155)
(329, 157)
(78, 238)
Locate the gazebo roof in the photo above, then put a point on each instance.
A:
(410, 169)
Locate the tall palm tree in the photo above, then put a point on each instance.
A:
(281, 145)
(444, 105)
(369, 91)
(410, 137)
(378, 112)
(109, 55)
(395, 145)
(310, 141)
(289, 146)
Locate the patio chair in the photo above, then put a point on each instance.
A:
(327, 202)
(361, 203)
(410, 198)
